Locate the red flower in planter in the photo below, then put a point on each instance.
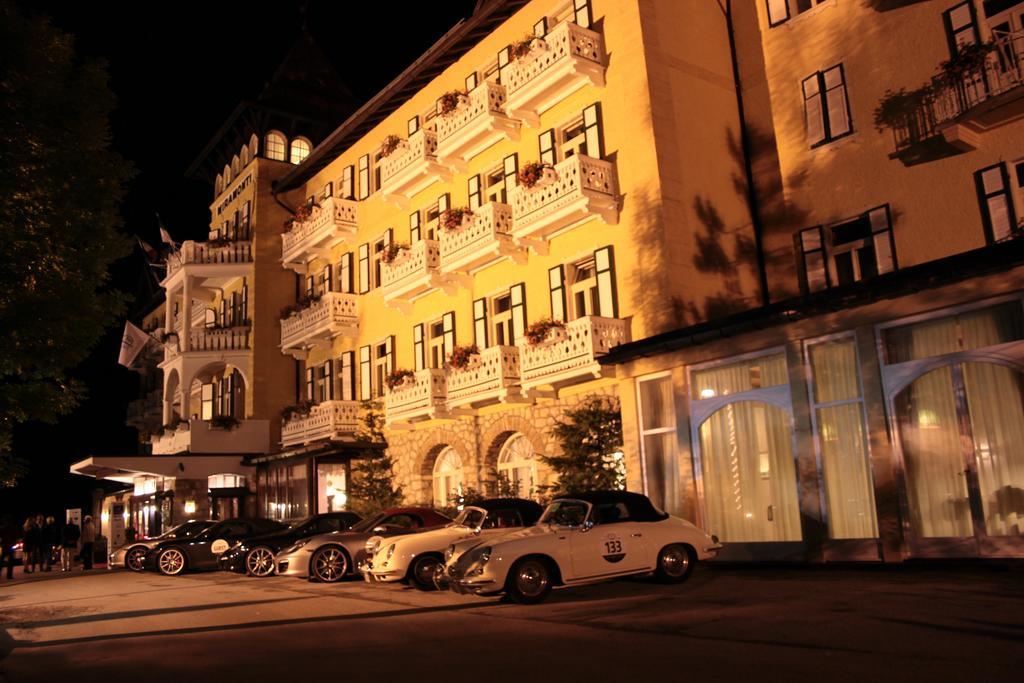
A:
(531, 173)
(389, 145)
(452, 219)
(538, 332)
(450, 101)
(397, 378)
(393, 251)
(462, 355)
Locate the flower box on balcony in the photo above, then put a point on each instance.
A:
(568, 58)
(422, 398)
(493, 378)
(413, 275)
(327, 225)
(485, 239)
(583, 187)
(328, 420)
(334, 314)
(573, 358)
(407, 171)
(475, 125)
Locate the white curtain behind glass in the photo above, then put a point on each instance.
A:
(658, 435)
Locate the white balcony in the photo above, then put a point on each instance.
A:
(335, 314)
(412, 167)
(201, 436)
(566, 59)
(211, 259)
(212, 339)
(493, 377)
(476, 124)
(483, 239)
(330, 420)
(328, 225)
(423, 397)
(580, 187)
(572, 355)
(414, 272)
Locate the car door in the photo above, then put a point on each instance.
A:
(613, 545)
(205, 555)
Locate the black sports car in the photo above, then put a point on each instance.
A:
(174, 556)
(254, 555)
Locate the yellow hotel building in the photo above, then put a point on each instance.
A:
(796, 268)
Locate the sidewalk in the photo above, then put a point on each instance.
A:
(21, 578)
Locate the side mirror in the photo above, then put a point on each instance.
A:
(586, 526)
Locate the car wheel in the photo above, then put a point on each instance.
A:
(675, 563)
(328, 564)
(529, 580)
(171, 562)
(259, 561)
(423, 570)
(135, 557)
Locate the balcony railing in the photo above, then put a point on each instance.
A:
(493, 377)
(565, 60)
(207, 253)
(333, 420)
(413, 272)
(579, 188)
(327, 226)
(484, 238)
(476, 124)
(572, 355)
(334, 314)
(200, 436)
(959, 109)
(412, 167)
(214, 339)
(421, 398)
(146, 413)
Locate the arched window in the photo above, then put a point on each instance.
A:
(218, 184)
(447, 477)
(245, 156)
(517, 464)
(236, 165)
(276, 146)
(300, 150)
(227, 175)
(254, 146)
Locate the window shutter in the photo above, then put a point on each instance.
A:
(328, 190)
(504, 60)
(348, 182)
(448, 324)
(419, 351)
(310, 389)
(607, 295)
(347, 376)
(540, 29)
(471, 82)
(224, 319)
(961, 27)
(556, 283)
(364, 176)
(412, 125)
(310, 285)
(812, 249)
(245, 303)
(510, 167)
(581, 12)
(473, 188)
(414, 227)
(997, 215)
(546, 143)
(592, 131)
(365, 385)
(517, 293)
(389, 236)
(389, 353)
(835, 102)
(882, 238)
(329, 380)
(480, 323)
(813, 113)
(444, 202)
(364, 268)
(345, 273)
(778, 12)
(328, 279)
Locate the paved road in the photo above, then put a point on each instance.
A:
(759, 624)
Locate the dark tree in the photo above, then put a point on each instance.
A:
(60, 191)
(591, 439)
(373, 478)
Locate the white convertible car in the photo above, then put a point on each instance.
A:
(418, 558)
(584, 539)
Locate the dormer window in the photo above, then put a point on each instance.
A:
(276, 146)
(300, 149)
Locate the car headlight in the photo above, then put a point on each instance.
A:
(478, 561)
(372, 545)
(297, 545)
(448, 553)
(391, 551)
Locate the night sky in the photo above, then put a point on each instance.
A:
(178, 70)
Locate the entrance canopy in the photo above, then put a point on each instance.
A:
(126, 468)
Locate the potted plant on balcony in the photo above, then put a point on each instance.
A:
(545, 331)
(464, 357)
(224, 422)
(536, 174)
(528, 48)
(300, 409)
(399, 378)
(451, 101)
(395, 253)
(454, 220)
(390, 144)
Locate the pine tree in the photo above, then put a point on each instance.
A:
(591, 439)
(373, 478)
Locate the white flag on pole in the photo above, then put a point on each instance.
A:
(132, 344)
(166, 236)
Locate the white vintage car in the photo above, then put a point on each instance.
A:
(418, 558)
(584, 539)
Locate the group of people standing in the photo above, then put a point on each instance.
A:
(44, 542)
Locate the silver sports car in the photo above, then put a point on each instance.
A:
(331, 557)
(130, 555)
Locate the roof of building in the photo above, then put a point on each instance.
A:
(925, 276)
(448, 49)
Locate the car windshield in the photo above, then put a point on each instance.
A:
(300, 522)
(566, 513)
(369, 524)
(185, 530)
(471, 517)
(208, 531)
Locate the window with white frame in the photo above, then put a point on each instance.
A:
(383, 363)
(998, 214)
(779, 11)
(826, 106)
(585, 287)
(850, 251)
(657, 420)
(494, 186)
(447, 478)
(300, 149)
(517, 464)
(276, 146)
